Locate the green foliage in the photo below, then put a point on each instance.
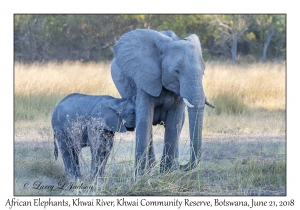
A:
(92, 37)
(268, 172)
(229, 102)
(32, 107)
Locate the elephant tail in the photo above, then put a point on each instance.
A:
(55, 148)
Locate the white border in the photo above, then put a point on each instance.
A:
(154, 6)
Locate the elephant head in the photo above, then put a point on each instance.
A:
(115, 114)
(154, 60)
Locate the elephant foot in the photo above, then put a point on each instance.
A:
(151, 164)
(73, 175)
(164, 169)
(144, 165)
(96, 182)
(74, 178)
(188, 166)
(168, 166)
(142, 172)
(92, 179)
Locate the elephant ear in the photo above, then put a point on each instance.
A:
(194, 39)
(137, 54)
(170, 34)
(107, 116)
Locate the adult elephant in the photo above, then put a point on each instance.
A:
(164, 73)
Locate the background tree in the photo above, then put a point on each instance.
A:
(269, 25)
(43, 38)
(231, 29)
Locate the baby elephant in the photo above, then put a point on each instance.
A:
(84, 120)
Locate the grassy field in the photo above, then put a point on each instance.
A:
(243, 138)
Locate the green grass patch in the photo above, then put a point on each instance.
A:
(34, 106)
(256, 172)
(229, 102)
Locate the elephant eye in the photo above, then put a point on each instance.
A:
(176, 72)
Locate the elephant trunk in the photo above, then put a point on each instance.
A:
(195, 100)
(195, 125)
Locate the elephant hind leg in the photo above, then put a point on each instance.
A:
(70, 156)
(75, 169)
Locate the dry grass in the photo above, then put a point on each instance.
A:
(244, 137)
(64, 78)
(39, 87)
(250, 98)
(259, 85)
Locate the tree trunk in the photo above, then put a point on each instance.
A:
(233, 49)
(266, 44)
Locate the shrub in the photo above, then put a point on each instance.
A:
(229, 102)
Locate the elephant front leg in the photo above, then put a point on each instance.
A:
(144, 144)
(106, 150)
(151, 155)
(173, 127)
(101, 146)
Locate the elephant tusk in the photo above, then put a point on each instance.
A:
(209, 104)
(187, 103)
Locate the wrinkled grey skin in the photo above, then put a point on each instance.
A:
(84, 120)
(161, 70)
